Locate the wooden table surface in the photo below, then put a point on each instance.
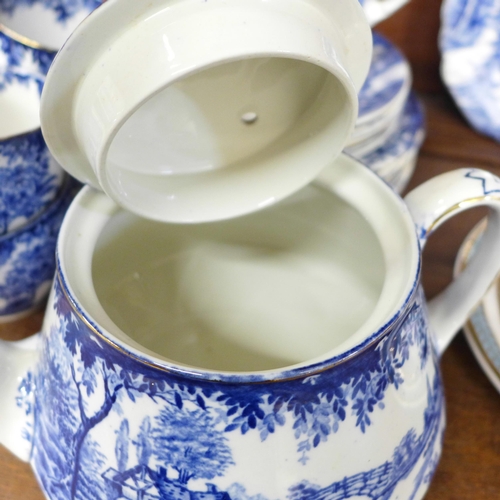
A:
(470, 465)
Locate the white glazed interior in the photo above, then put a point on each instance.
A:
(268, 125)
(297, 283)
(19, 108)
(37, 25)
(200, 68)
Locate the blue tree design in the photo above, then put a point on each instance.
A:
(358, 387)
(380, 482)
(54, 451)
(190, 433)
(92, 365)
(26, 181)
(121, 446)
(143, 443)
(187, 440)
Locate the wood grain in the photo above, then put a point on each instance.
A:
(470, 465)
(415, 30)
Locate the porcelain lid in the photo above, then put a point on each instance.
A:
(193, 111)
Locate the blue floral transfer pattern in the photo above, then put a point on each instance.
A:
(22, 64)
(407, 138)
(470, 47)
(186, 436)
(388, 77)
(30, 179)
(380, 482)
(25, 400)
(27, 259)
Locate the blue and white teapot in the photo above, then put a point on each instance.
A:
(287, 353)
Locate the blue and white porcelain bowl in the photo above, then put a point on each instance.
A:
(470, 65)
(30, 178)
(27, 259)
(43, 24)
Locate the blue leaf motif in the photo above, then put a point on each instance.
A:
(232, 411)
(252, 422)
(317, 440)
(178, 400)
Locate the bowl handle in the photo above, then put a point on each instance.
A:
(431, 204)
(17, 363)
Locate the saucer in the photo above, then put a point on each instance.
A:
(395, 160)
(482, 331)
(469, 43)
(408, 137)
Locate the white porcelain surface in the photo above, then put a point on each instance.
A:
(378, 10)
(306, 261)
(293, 66)
(376, 139)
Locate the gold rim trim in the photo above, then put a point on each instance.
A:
(463, 258)
(465, 204)
(24, 39)
(471, 330)
(94, 330)
(199, 374)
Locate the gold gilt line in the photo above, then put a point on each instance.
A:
(473, 333)
(465, 254)
(94, 330)
(462, 204)
(201, 376)
(23, 39)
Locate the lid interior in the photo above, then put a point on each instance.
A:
(215, 144)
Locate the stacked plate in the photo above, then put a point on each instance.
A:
(390, 127)
(469, 41)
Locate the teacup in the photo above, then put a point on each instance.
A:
(27, 259)
(30, 178)
(286, 354)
